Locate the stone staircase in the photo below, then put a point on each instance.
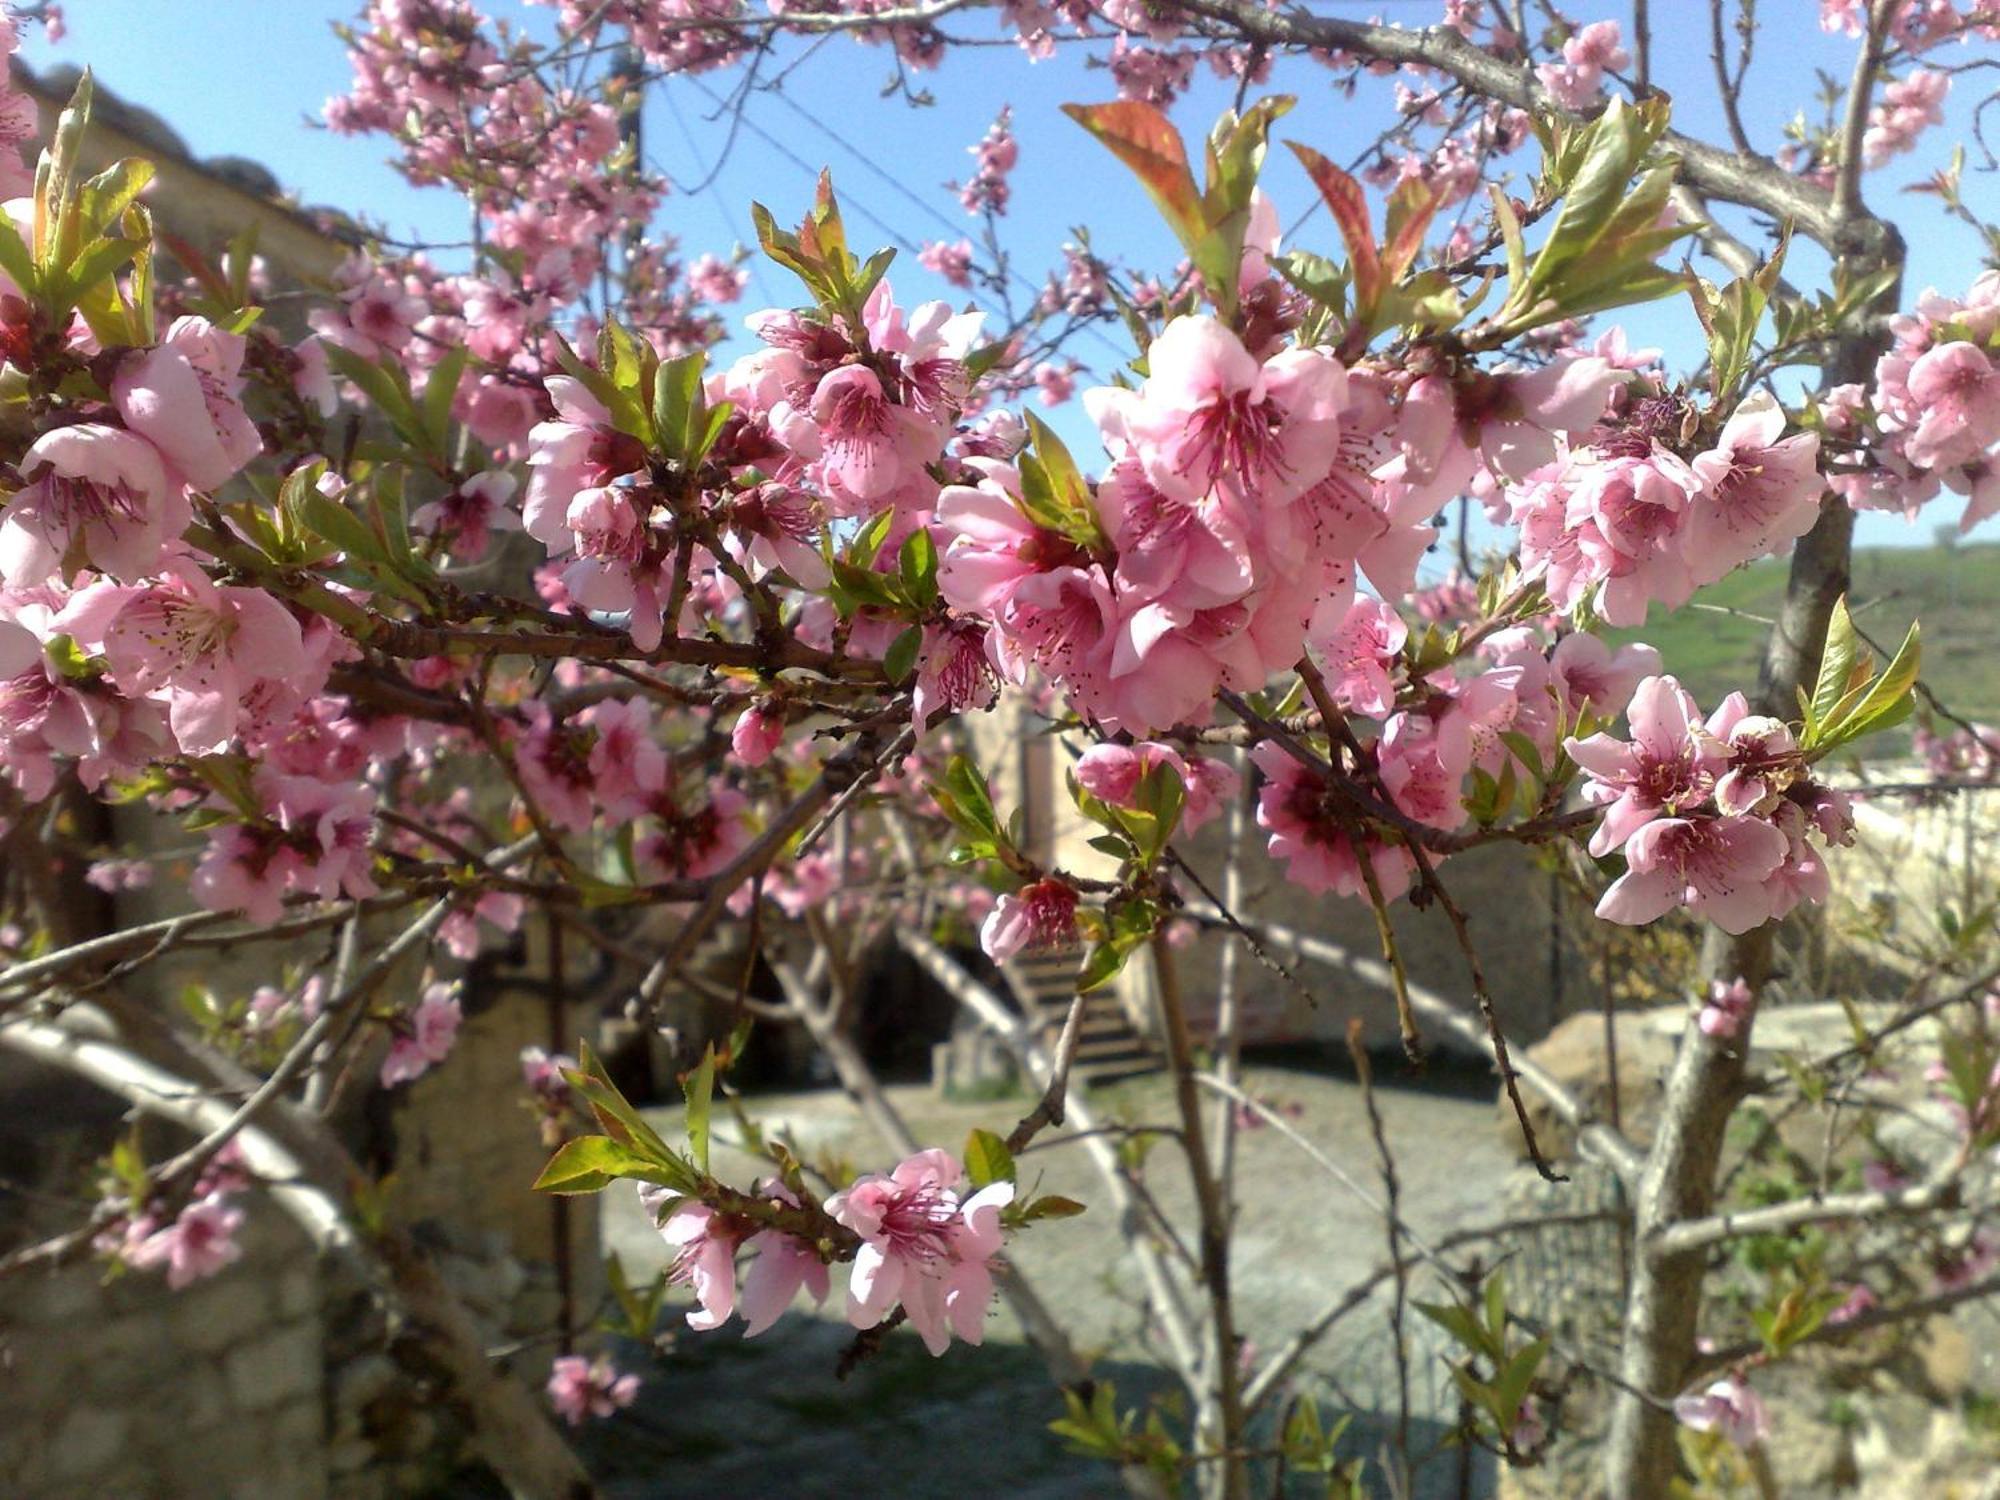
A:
(1044, 984)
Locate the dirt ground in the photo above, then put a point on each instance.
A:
(725, 1417)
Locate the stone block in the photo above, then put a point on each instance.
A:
(213, 1315)
(298, 1292)
(281, 1365)
(201, 1396)
(88, 1441)
(66, 1297)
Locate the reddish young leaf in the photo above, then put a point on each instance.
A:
(1146, 141)
(1411, 208)
(1350, 211)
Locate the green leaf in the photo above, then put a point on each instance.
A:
(1836, 667)
(680, 414)
(918, 564)
(101, 201)
(331, 521)
(1315, 278)
(1462, 1325)
(55, 221)
(1050, 1206)
(1888, 701)
(963, 797)
(1510, 235)
(900, 660)
(386, 387)
(617, 1116)
(1412, 206)
(439, 390)
(1510, 1387)
(987, 1159)
(16, 259)
(589, 1164)
(699, 1087)
(1054, 494)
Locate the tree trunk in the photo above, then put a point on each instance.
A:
(1663, 1307)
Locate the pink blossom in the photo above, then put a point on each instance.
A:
(1209, 412)
(460, 930)
(954, 671)
(706, 1244)
(1759, 491)
(579, 450)
(200, 1242)
(427, 1040)
(197, 646)
(1041, 915)
(757, 732)
(1057, 383)
(1763, 758)
(97, 497)
(1588, 674)
(1361, 656)
(1728, 1407)
(1728, 1007)
(1317, 847)
(952, 262)
(466, 518)
(542, 1074)
(1529, 410)
(1909, 106)
(1196, 554)
(312, 377)
(1860, 1300)
(715, 280)
(869, 445)
(580, 1389)
(783, 1265)
(1955, 389)
(992, 547)
(1716, 867)
(182, 397)
(113, 875)
(1966, 1263)
(1665, 768)
(1112, 773)
(923, 1246)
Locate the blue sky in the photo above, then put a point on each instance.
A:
(245, 77)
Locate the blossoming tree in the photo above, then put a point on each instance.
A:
(237, 588)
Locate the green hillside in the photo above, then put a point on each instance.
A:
(1955, 592)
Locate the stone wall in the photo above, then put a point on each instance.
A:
(280, 1378)
(125, 1389)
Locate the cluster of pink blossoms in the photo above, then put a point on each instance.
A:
(926, 1246)
(1936, 409)
(117, 650)
(995, 157)
(192, 1244)
(581, 1388)
(1720, 816)
(424, 1038)
(1243, 493)
(1435, 733)
(1577, 81)
(1625, 519)
(1966, 754)
(1915, 25)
